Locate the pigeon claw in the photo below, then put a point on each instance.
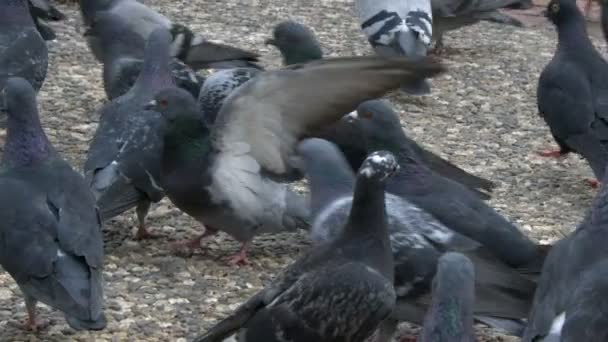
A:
(551, 153)
(35, 325)
(594, 183)
(144, 234)
(240, 259)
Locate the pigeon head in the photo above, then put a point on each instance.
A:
(26, 142)
(559, 11)
(89, 8)
(379, 123)
(296, 42)
(174, 104)
(379, 166)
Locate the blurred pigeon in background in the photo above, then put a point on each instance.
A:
(296, 42)
(43, 11)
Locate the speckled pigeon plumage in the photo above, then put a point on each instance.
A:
(448, 201)
(449, 15)
(141, 20)
(417, 241)
(219, 174)
(398, 28)
(572, 90)
(23, 52)
(348, 135)
(338, 291)
(571, 302)
(43, 11)
(123, 162)
(50, 230)
(450, 316)
(218, 86)
(123, 58)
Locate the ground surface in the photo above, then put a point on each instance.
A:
(482, 115)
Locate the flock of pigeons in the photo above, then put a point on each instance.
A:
(399, 233)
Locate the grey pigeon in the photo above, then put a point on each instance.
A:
(570, 302)
(218, 86)
(23, 52)
(450, 317)
(123, 162)
(195, 51)
(417, 241)
(450, 202)
(296, 42)
(123, 54)
(43, 11)
(449, 15)
(399, 28)
(338, 291)
(222, 175)
(573, 90)
(348, 135)
(50, 230)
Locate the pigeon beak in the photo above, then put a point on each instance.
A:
(352, 116)
(150, 105)
(270, 41)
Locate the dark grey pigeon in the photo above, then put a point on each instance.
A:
(123, 162)
(399, 28)
(573, 91)
(193, 50)
(449, 15)
(338, 291)
(218, 86)
(218, 174)
(43, 11)
(571, 300)
(23, 52)
(450, 317)
(348, 135)
(417, 242)
(50, 230)
(450, 202)
(123, 57)
(296, 42)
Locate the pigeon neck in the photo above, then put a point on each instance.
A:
(410, 167)
(186, 138)
(302, 55)
(14, 12)
(26, 143)
(155, 76)
(328, 184)
(572, 34)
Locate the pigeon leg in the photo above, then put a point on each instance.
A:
(551, 153)
(186, 247)
(408, 338)
(594, 183)
(241, 257)
(142, 212)
(31, 323)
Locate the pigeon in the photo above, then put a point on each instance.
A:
(399, 28)
(223, 175)
(296, 42)
(449, 15)
(417, 241)
(50, 230)
(43, 11)
(338, 291)
(448, 201)
(141, 20)
(450, 317)
(123, 55)
(570, 302)
(23, 52)
(604, 19)
(218, 86)
(348, 135)
(123, 161)
(572, 91)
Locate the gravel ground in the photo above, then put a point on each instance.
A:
(482, 115)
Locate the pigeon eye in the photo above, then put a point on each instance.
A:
(367, 115)
(163, 103)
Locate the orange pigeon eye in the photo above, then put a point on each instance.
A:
(164, 103)
(367, 115)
